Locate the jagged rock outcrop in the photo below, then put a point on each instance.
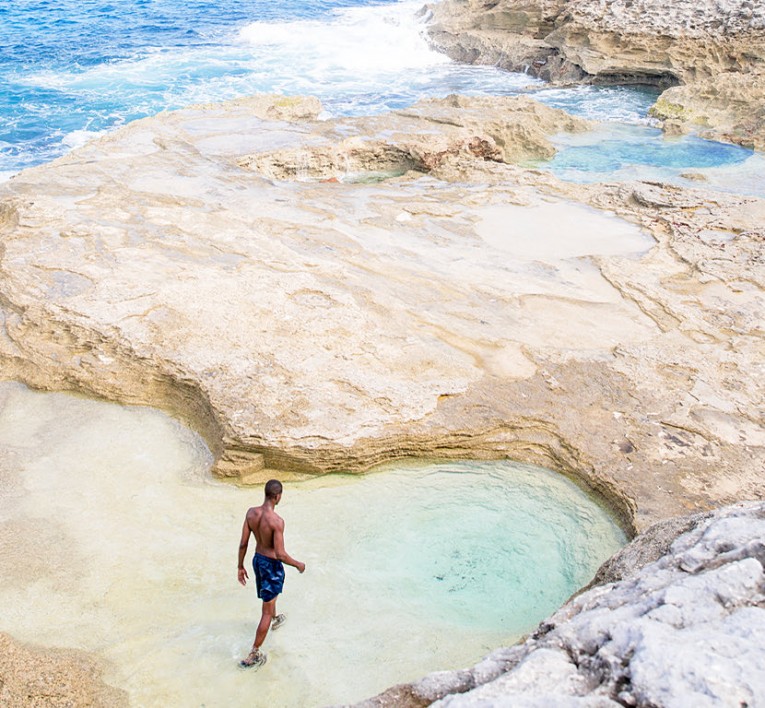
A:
(509, 34)
(424, 138)
(714, 49)
(683, 623)
(465, 308)
(728, 106)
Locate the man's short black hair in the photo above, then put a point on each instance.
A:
(273, 488)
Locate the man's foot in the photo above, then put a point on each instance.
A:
(278, 621)
(255, 659)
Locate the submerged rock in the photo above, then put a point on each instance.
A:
(683, 624)
(714, 50)
(55, 678)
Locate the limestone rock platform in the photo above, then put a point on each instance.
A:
(317, 295)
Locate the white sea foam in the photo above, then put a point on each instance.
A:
(359, 60)
(78, 138)
(343, 53)
(358, 41)
(598, 103)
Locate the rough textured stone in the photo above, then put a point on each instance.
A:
(426, 138)
(727, 106)
(646, 548)
(466, 308)
(715, 49)
(684, 629)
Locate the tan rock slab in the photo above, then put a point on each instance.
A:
(466, 307)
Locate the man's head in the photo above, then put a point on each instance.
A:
(273, 490)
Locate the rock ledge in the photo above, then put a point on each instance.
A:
(712, 53)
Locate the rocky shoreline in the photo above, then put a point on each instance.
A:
(708, 58)
(314, 296)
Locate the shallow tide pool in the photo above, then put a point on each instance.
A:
(116, 540)
(621, 152)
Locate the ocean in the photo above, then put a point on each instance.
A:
(74, 69)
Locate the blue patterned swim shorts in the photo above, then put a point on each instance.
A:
(269, 576)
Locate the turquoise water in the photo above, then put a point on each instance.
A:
(72, 69)
(474, 546)
(623, 151)
(609, 156)
(410, 569)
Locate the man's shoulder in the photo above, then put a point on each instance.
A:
(253, 513)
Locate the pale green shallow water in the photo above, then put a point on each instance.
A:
(115, 540)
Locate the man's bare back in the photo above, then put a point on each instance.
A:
(263, 522)
(268, 528)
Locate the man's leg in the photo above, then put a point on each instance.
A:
(257, 658)
(269, 610)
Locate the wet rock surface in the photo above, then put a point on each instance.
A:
(681, 626)
(430, 136)
(715, 51)
(612, 332)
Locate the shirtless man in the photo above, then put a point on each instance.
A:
(268, 528)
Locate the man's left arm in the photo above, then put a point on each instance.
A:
(281, 552)
(241, 572)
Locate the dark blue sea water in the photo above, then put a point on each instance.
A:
(71, 69)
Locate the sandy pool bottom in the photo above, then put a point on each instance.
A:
(115, 540)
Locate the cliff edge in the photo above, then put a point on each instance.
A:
(708, 57)
(315, 296)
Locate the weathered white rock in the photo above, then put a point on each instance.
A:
(685, 629)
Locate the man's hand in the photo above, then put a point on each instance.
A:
(301, 567)
(243, 577)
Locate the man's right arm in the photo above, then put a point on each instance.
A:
(281, 553)
(243, 543)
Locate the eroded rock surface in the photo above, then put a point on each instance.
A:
(276, 282)
(481, 310)
(685, 628)
(425, 138)
(728, 106)
(716, 50)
